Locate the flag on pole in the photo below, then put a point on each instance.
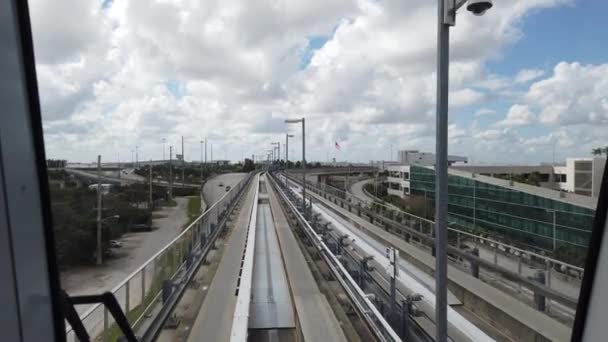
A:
(337, 146)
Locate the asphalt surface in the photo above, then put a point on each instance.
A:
(212, 191)
(214, 320)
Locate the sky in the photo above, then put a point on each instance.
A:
(527, 79)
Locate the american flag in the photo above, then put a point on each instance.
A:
(337, 146)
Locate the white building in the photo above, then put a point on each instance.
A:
(398, 180)
(382, 165)
(409, 157)
(582, 176)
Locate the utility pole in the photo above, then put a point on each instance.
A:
(99, 247)
(205, 150)
(441, 174)
(170, 172)
(183, 162)
(136, 156)
(150, 185)
(287, 151)
(202, 161)
(164, 149)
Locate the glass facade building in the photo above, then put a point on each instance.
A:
(529, 218)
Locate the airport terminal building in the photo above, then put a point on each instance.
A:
(536, 216)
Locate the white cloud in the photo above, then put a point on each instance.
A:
(238, 67)
(518, 115)
(574, 94)
(527, 75)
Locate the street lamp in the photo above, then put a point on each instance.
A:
(303, 121)
(287, 136)
(202, 142)
(446, 17)
(279, 151)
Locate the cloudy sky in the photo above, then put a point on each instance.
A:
(528, 77)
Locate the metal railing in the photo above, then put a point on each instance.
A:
(139, 292)
(374, 319)
(423, 229)
(428, 226)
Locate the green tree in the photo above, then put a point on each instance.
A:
(248, 166)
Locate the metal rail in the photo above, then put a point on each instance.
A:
(140, 290)
(240, 320)
(378, 325)
(428, 239)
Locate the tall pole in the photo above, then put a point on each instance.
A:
(205, 150)
(304, 164)
(99, 247)
(136, 156)
(287, 151)
(441, 171)
(202, 161)
(183, 162)
(170, 172)
(164, 148)
(150, 185)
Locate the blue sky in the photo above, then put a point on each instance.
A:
(566, 33)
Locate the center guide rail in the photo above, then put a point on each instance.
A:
(376, 322)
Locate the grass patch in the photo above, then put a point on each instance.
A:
(194, 209)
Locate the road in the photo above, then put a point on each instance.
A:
(357, 190)
(212, 192)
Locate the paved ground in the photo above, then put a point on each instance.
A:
(214, 320)
(137, 249)
(212, 192)
(357, 190)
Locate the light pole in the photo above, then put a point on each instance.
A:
(446, 17)
(202, 142)
(287, 136)
(278, 155)
(99, 245)
(164, 148)
(554, 235)
(99, 260)
(303, 121)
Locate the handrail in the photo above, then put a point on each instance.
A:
(432, 223)
(167, 246)
(508, 274)
(241, 311)
(384, 331)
